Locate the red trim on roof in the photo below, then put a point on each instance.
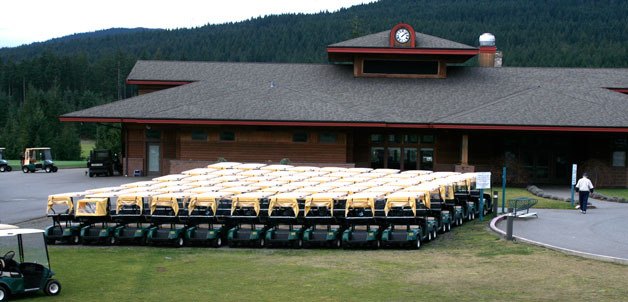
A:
(403, 51)
(164, 83)
(346, 124)
(620, 90)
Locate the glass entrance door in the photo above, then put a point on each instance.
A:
(427, 159)
(153, 158)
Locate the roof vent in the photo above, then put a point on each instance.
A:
(487, 39)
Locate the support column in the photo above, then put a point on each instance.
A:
(464, 166)
(464, 160)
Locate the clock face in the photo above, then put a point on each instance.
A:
(402, 35)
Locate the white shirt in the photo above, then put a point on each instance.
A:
(584, 184)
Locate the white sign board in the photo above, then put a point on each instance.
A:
(574, 171)
(483, 180)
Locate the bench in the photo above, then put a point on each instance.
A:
(521, 207)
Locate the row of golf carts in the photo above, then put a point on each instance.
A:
(270, 205)
(34, 159)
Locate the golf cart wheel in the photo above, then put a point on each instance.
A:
(53, 287)
(112, 240)
(449, 227)
(48, 169)
(76, 239)
(91, 174)
(377, 244)
(297, 244)
(261, 242)
(55, 169)
(50, 241)
(4, 294)
(337, 243)
(217, 242)
(429, 236)
(180, 242)
(9, 169)
(435, 234)
(416, 244)
(2, 168)
(25, 169)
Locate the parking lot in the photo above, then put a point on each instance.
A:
(23, 196)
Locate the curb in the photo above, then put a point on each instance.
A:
(604, 258)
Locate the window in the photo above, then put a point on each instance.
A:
(427, 139)
(619, 159)
(327, 137)
(411, 138)
(299, 137)
(227, 136)
(377, 138)
(198, 135)
(394, 138)
(400, 67)
(153, 134)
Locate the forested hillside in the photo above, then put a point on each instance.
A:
(40, 81)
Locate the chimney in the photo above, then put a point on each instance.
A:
(489, 56)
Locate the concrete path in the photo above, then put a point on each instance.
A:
(602, 233)
(23, 196)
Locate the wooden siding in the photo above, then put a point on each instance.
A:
(262, 145)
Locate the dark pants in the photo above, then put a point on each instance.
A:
(584, 198)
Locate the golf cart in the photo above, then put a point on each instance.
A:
(103, 162)
(64, 227)
(29, 269)
(35, 159)
(406, 225)
(325, 229)
(285, 215)
(204, 227)
(4, 165)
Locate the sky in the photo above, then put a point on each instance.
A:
(28, 21)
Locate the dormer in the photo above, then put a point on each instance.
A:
(400, 52)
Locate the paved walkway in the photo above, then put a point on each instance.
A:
(602, 233)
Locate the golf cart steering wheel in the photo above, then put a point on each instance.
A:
(9, 255)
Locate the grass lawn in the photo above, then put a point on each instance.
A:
(86, 146)
(543, 203)
(623, 193)
(467, 264)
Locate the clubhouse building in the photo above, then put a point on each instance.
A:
(394, 99)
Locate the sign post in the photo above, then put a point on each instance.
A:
(574, 171)
(482, 181)
(503, 189)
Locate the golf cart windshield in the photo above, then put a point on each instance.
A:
(33, 246)
(40, 154)
(101, 155)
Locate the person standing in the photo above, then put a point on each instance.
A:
(584, 188)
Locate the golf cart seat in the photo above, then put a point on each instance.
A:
(92, 207)
(322, 202)
(246, 201)
(205, 201)
(402, 203)
(61, 204)
(287, 201)
(357, 205)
